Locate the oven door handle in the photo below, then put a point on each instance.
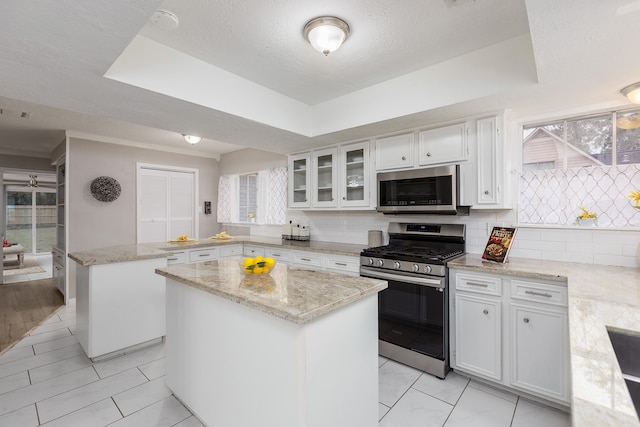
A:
(399, 277)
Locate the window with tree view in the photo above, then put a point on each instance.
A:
(587, 162)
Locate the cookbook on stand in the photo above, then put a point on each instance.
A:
(499, 244)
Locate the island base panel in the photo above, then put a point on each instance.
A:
(235, 365)
(119, 306)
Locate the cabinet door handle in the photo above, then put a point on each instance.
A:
(482, 285)
(172, 259)
(276, 255)
(538, 294)
(525, 320)
(485, 311)
(340, 263)
(204, 254)
(305, 259)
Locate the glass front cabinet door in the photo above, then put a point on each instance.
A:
(324, 178)
(299, 182)
(354, 182)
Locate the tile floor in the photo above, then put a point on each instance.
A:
(45, 262)
(46, 379)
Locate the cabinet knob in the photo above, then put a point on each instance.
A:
(404, 158)
(485, 311)
(428, 154)
(525, 320)
(486, 191)
(344, 198)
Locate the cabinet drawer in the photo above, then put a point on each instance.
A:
(308, 259)
(343, 264)
(279, 255)
(253, 250)
(539, 292)
(231, 250)
(177, 258)
(480, 284)
(202, 255)
(57, 257)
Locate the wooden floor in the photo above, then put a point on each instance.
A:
(23, 306)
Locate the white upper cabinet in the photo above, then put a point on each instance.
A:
(325, 173)
(335, 177)
(443, 145)
(394, 152)
(299, 180)
(354, 175)
(489, 161)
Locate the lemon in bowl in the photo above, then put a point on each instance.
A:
(258, 265)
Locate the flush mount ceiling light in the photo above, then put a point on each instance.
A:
(192, 139)
(326, 33)
(632, 92)
(33, 181)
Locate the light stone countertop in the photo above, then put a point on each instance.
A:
(141, 251)
(599, 296)
(116, 254)
(290, 293)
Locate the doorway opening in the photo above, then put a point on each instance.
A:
(29, 225)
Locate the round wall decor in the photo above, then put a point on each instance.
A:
(105, 189)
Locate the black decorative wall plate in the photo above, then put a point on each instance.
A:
(105, 189)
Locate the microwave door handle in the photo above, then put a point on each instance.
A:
(422, 281)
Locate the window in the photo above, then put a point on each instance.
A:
(591, 162)
(257, 197)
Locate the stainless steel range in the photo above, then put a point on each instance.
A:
(413, 315)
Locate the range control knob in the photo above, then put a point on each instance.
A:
(370, 261)
(415, 268)
(427, 269)
(396, 265)
(380, 263)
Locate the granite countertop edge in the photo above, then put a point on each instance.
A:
(143, 251)
(293, 314)
(599, 296)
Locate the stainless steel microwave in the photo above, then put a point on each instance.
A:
(431, 190)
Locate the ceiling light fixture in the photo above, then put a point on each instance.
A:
(192, 139)
(326, 33)
(33, 181)
(632, 92)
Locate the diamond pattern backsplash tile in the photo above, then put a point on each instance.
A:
(554, 196)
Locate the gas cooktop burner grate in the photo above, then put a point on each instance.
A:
(425, 253)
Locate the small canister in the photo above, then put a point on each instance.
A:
(375, 238)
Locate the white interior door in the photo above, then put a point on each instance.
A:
(166, 203)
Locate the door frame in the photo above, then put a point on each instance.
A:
(34, 224)
(168, 168)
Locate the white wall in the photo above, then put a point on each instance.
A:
(94, 224)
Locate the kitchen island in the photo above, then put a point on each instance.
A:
(119, 300)
(294, 348)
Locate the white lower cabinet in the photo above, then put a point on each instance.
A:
(231, 250)
(178, 257)
(539, 351)
(253, 251)
(202, 255)
(343, 264)
(279, 255)
(478, 335)
(518, 337)
(308, 259)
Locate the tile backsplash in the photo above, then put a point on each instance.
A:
(591, 245)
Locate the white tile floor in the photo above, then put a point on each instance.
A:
(45, 262)
(46, 379)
